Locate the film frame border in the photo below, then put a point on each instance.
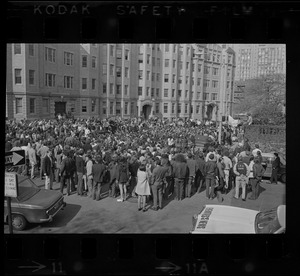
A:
(52, 249)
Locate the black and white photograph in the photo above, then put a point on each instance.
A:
(145, 138)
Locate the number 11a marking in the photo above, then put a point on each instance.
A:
(54, 267)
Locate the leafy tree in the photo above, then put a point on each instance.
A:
(263, 98)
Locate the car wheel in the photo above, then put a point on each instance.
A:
(283, 178)
(18, 222)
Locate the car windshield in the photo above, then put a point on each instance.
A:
(267, 222)
(27, 189)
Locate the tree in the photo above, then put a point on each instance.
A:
(263, 98)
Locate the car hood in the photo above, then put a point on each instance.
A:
(225, 219)
(43, 198)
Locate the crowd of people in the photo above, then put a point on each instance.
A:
(152, 160)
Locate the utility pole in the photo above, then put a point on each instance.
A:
(222, 92)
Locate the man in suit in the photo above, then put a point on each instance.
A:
(98, 171)
(79, 162)
(48, 166)
(275, 168)
(65, 172)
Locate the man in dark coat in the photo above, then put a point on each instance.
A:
(48, 167)
(65, 172)
(258, 172)
(275, 169)
(200, 165)
(98, 171)
(180, 174)
(211, 171)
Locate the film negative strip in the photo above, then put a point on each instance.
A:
(120, 250)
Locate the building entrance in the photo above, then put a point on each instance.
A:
(146, 111)
(60, 108)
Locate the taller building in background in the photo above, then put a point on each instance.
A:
(126, 80)
(254, 60)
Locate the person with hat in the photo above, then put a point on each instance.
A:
(258, 172)
(210, 172)
(242, 171)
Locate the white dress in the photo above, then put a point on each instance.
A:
(142, 186)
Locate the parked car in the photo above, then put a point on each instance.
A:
(33, 205)
(268, 158)
(221, 219)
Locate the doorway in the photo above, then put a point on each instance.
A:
(146, 111)
(60, 108)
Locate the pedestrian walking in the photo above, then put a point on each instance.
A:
(32, 159)
(142, 188)
(258, 172)
(211, 171)
(48, 166)
(275, 169)
(65, 173)
(241, 171)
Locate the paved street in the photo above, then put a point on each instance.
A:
(83, 215)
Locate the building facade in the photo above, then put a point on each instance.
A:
(254, 60)
(126, 80)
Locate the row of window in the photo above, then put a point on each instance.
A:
(179, 110)
(32, 105)
(112, 70)
(140, 91)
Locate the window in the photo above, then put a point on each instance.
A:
(111, 88)
(18, 77)
(206, 70)
(132, 108)
(152, 92)
(50, 80)
(180, 65)
(166, 92)
(166, 78)
(119, 53)
(179, 108)
(119, 71)
(167, 47)
(68, 82)
(93, 84)
(158, 62)
(179, 93)
(198, 81)
(228, 72)
(187, 65)
(228, 84)
(174, 63)
(173, 108)
(148, 91)
(186, 108)
(153, 77)
(187, 51)
(111, 69)
(148, 75)
(140, 74)
(93, 105)
(126, 108)
(186, 93)
(198, 95)
(45, 105)
(205, 96)
(84, 83)
(193, 67)
(104, 88)
(173, 79)
(18, 105)
(206, 83)
(104, 68)
(118, 108)
(153, 61)
(31, 50)
(214, 83)
(167, 62)
(68, 58)
(49, 54)
(31, 77)
(111, 50)
(187, 79)
(126, 54)
(148, 59)
(126, 89)
(157, 76)
(140, 91)
(214, 96)
(198, 109)
(103, 107)
(126, 72)
(165, 108)
(118, 89)
(174, 48)
(179, 80)
(84, 61)
(17, 48)
(173, 93)
(31, 105)
(215, 71)
(83, 105)
(157, 92)
(111, 108)
(94, 62)
(157, 108)
(199, 68)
